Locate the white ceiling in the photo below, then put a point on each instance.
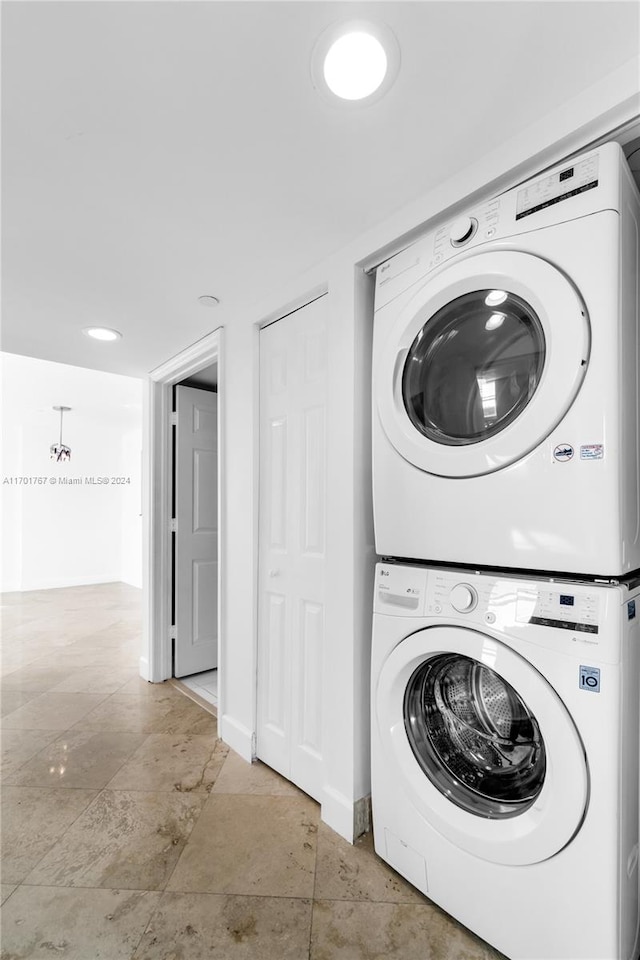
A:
(156, 151)
(32, 387)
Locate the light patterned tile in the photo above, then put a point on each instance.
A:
(19, 746)
(14, 699)
(34, 677)
(79, 758)
(93, 680)
(39, 923)
(238, 776)
(123, 839)
(137, 687)
(33, 820)
(251, 845)
(6, 889)
(200, 926)
(52, 711)
(347, 871)
(343, 930)
(150, 715)
(183, 763)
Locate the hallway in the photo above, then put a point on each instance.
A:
(129, 832)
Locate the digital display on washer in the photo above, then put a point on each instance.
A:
(577, 612)
(556, 187)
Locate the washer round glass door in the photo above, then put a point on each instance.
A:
(474, 736)
(481, 364)
(482, 745)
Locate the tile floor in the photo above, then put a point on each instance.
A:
(130, 832)
(204, 684)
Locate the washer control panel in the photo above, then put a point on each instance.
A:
(409, 591)
(463, 598)
(449, 593)
(400, 591)
(563, 609)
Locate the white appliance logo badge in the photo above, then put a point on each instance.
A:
(563, 452)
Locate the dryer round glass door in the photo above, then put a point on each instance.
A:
(481, 364)
(474, 736)
(473, 367)
(482, 744)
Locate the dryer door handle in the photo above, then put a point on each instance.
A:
(398, 365)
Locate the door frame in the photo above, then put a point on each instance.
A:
(155, 662)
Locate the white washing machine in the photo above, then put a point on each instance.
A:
(505, 739)
(505, 380)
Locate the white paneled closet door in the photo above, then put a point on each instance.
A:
(292, 550)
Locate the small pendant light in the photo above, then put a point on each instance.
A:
(59, 451)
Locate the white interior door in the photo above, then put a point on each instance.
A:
(196, 543)
(292, 551)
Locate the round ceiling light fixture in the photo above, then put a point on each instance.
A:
(102, 333)
(208, 300)
(355, 61)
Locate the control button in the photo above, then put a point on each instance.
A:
(490, 617)
(490, 232)
(463, 598)
(438, 608)
(462, 230)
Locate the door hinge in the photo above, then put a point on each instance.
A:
(254, 753)
(173, 633)
(173, 419)
(173, 525)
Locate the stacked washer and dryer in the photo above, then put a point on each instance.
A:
(506, 638)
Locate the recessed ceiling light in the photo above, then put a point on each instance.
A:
(207, 300)
(356, 61)
(355, 66)
(102, 333)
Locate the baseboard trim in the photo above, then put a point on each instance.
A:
(57, 584)
(349, 818)
(145, 672)
(236, 735)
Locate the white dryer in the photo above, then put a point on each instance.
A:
(505, 380)
(505, 755)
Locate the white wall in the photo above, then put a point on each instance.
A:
(131, 508)
(349, 535)
(11, 465)
(59, 533)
